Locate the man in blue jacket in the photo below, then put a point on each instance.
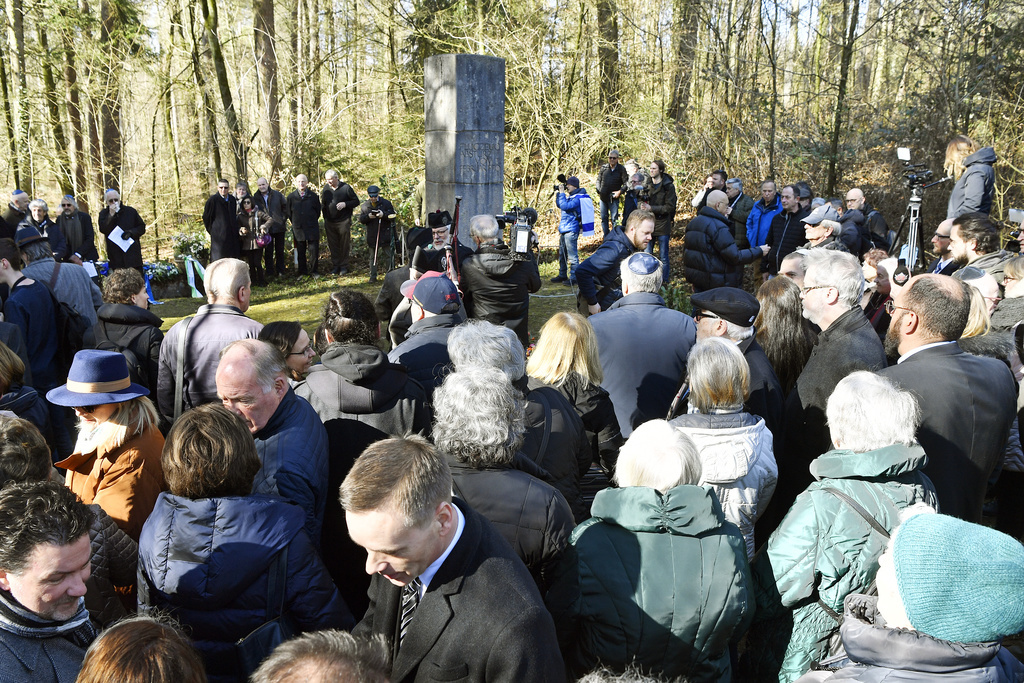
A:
(576, 206)
(760, 218)
(598, 276)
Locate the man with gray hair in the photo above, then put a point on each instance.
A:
(39, 218)
(555, 439)
(14, 213)
(337, 200)
(69, 282)
(291, 441)
(191, 349)
(833, 287)
(496, 282)
(77, 228)
(121, 221)
(302, 207)
(642, 345)
(738, 210)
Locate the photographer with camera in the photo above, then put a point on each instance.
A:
(377, 214)
(576, 206)
(496, 281)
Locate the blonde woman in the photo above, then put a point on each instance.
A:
(566, 358)
(1010, 310)
(971, 166)
(116, 462)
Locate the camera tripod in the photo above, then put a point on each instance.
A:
(912, 222)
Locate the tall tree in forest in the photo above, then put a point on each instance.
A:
(684, 34)
(5, 101)
(63, 166)
(608, 53)
(73, 105)
(208, 123)
(19, 84)
(111, 25)
(265, 36)
(210, 28)
(851, 11)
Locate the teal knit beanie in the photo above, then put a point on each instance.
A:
(959, 581)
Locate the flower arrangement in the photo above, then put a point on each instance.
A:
(190, 244)
(160, 271)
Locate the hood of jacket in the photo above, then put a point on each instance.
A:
(998, 345)
(358, 364)
(206, 552)
(18, 399)
(666, 181)
(684, 510)
(739, 440)
(889, 462)
(616, 234)
(126, 314)
(855, 216)
(985, 155)
(495, 260)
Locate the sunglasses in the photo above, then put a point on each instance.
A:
(697, 317)
(86, 410)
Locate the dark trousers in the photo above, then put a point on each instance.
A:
(254, 257)
(339, 241)
(273, 255)
(313, 247)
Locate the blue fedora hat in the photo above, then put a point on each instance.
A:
(96, 377)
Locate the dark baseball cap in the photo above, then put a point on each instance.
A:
(433, 292)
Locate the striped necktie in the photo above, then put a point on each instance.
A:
(410, 600)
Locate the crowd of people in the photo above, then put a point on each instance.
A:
(782, 485)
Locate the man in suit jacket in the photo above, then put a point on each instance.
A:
(220, 221)
(944, 264)
(272, 202)
(967, 402)
(448, 592)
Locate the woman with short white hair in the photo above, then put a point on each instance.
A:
(735, 447)
(829, 542)
(663, 576)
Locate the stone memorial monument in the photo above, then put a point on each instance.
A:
(464, 107)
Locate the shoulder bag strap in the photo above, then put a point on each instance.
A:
(56, 271)
(276, 585)
(179, 371)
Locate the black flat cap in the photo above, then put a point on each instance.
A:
(728, 303)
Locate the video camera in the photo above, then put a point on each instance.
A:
(521, 237)
(914, 175)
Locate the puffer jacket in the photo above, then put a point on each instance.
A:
(878, 653)
(712, 258)
(26, 403)
(854, 232)
(742, 205)
(119, 323)
(497, 288)
(292, 447)
(599, 274)
(529, 513)
(1008, 313)
(973, 191)
(832, 243)
(664, 584)
(571, 220)
(823, 551)
(737, 458)
(361, 398)
(663, 204)
(115, 558)
(208, 561)
(759, 221)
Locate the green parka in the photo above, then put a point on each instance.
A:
(824, 549)
(664, 584)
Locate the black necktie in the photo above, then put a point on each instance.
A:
(410, 600)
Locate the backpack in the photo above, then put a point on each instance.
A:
(71, 326)
(137, 369)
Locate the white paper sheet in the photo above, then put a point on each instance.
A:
(90, 268)
(123, 241)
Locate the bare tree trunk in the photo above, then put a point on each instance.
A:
(19, 87)
(685, 20)
(75, 118)
(110, 105)
(12, 144)
(608, 53)
(210, 28)
(53, 113)
(266, 56)
(207, 117)
(852, 14)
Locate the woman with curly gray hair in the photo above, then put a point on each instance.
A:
(479, 422)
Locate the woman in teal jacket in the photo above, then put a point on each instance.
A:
(664, 581)
(827, 548)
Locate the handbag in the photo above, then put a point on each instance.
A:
(279, 627)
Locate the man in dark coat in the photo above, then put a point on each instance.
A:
(435, 306)
(598, 276)
(874, 228)
(219, 217)
(15, 212)
(738, 210)
(496, 283)
(730, 312)
(611, 183)
(272, 203)
(944, 263)
(11, 337)
(642, 345)
(78, 231)
(833, 287)
(377, 214)
(361, 397)
(337, 200)
(967, 402)
(118, 217)
(711, 258)
(786, 232)
(303, 210)
(448, 592)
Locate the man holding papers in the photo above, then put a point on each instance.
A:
(122, 226)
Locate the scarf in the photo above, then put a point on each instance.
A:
(17, 620)
(72, 227)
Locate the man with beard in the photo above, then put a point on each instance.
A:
(944, 263)
(833, 287)
(598, 276)
(967, 402)
(974, 241)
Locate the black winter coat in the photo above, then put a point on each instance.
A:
(138, 330)
(12, 218)
(378, 230)
(131, 223)
(663, 204)
(711, 258)
(219, 217)
(115, 559)
(425, 350)
(609, 180)
(303, 210)
(785, 234)
(497, 288)
(274, 205)
(595, 409)
(361, 398)
(855, 233)
(331, 197)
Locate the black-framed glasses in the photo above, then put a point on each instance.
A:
(891, 307)
(710, 316)
(308, 349)
(86, 410)
(940, 236)
(113, 201)
(804, 290)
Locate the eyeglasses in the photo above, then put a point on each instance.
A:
(891, 307)
(804, 290)
(86, 410)
(697, 317)
(113, 201)
(940, 236)
(307, 351)
(66, 206)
